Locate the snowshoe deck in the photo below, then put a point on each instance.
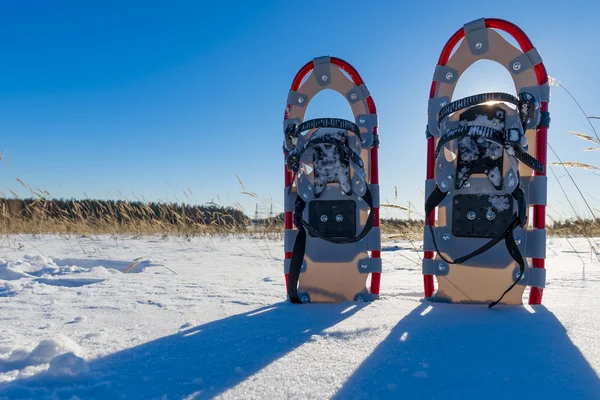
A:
(332, 238)
(486, 158)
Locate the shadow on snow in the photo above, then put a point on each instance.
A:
(207, 359)
(445, 351)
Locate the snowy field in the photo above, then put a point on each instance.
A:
(206, 318)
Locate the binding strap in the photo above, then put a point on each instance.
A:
(300, 243)
(503, 138)
(525, 103)
(293, 158)
(519, 219)
(474, 100)
(293, 130)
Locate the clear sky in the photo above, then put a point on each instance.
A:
(157, 98)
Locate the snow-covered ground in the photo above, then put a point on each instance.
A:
(206, 317)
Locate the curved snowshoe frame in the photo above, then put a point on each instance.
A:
(480, 280)
(333, 270)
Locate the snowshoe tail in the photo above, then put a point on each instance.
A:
(486, 160)
(332, 240)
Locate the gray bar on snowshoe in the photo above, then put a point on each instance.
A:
(435, 267)
(435, 105)
(525, 61)
(288, 261)
(427, 239)
(543, 90)
(477, 36)
(374, 189)
(536, 188)
(368, 121)
(297, 99)
(374, 239)
(368, 265)
(429, 187)
(445, 74)
(289, 199)
(535, 277)
(365, 296)
(289, 238)
(322, 70)
(536, 244)
(358, 93)
(427, 266)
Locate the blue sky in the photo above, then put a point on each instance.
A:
(155, 98)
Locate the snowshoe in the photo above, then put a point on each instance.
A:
(486, 159)
(332, 238)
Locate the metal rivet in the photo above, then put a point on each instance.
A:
(363, 265)
(517, 66)
(364, 140)
(511, 182)
(449, 75)
(309, 187)
(446, 236)
(517, 240)
(324, 218)
(478, 45)
(494, 157)
(450, 176)
(444, 185)
(467, 184)
(362, 120)
(471, 215)
(359, 198)
(305, 299)
(443, 103)
(359, 299)
(357, 182)
(339, 218)
(517, 275)
(304, 195)
(324, 78)
(300, 100)
(441, 267)
(353, 96)
(490, 215)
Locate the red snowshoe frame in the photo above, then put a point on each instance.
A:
(373, 173)
(539, 211)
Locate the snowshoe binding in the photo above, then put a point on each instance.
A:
(332, 239)
(486, 159)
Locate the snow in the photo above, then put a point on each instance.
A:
(500, 203)
(484, 120)
(206, 317)
(495, 176)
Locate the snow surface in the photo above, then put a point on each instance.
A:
(207, 318)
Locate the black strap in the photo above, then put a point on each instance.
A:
(300, 243)
(297, 254)
(513, 250)
(485, 132)
(294, 130)
(501, 137)
(526, 104)
(518, 219)
(436, 197)
(474, 100)
(293, 158)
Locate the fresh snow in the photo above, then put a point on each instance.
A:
(207, 318)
